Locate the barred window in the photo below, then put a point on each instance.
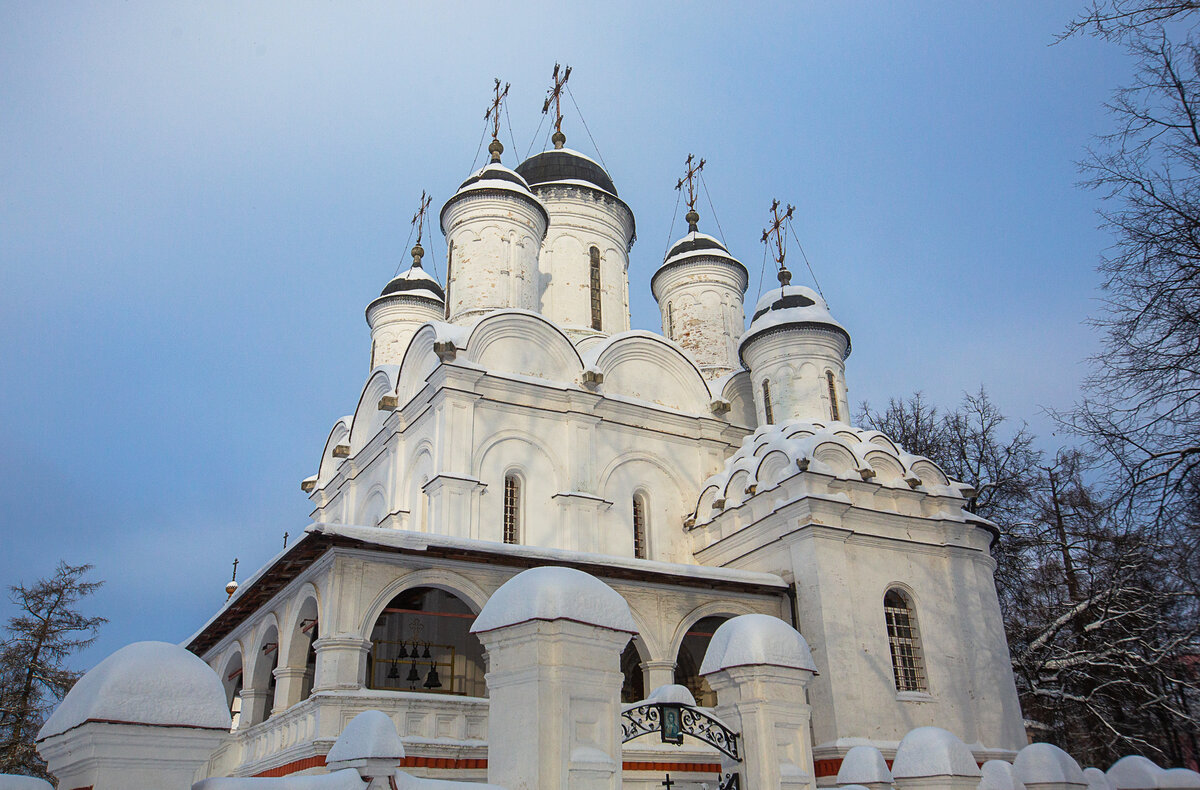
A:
(449, 274)
(512, 509)
(670, 321)
(768, 411)
(908, 665)
(639, 526)
(595, 269)
(833, 400)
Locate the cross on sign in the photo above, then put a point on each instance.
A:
(667, 783)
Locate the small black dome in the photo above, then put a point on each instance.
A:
(562, 164)
(405, 283)
(494, 173)
(694, 242)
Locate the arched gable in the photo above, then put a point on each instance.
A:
(645, 367)
(339, 435)
(455, 584)
(524, 343)
(373, 508)
(368, 417)
(739, 391)
(419, 361)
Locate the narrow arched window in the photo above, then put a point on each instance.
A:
(639, 526)
(908, 664)
(512, 509)
(833, 400)
(595, 276)
(670, 321)
(768, 411)
(449, 274)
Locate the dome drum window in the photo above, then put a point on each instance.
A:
(512, 509)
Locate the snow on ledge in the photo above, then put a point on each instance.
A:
(1041, 763)
(865, 765)
(145, 683)
(554, 593)
(752, 639)
(14, 782)
(370, 735)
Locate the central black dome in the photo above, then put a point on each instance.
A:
(562, 164)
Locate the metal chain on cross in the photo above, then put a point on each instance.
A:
(554, 96)
(689, 178)
(775, 232)
(418, 222)
(493, 115)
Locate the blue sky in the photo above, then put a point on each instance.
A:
(197, 201)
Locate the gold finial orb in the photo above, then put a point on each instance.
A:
(418, 252)
(559, 139)
(692, 219)
(231, 588)
(495, 149)
(785, 277)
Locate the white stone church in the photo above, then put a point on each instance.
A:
(512, 420)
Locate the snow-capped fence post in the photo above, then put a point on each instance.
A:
(1044, 766)
(554, 638)
(760, 668)
(865, 766)
(148, 717)
(930, 758)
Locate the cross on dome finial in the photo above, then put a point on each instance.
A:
(418, 220)
(232, 585)
(693, 172)
(493, 115)
(775, 232)
(554, 94)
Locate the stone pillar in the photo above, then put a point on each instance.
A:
(760, 668)
(656, 674)
(341, 661)
(289, 687)
(255, 707)
(554, 638)
(106, 756)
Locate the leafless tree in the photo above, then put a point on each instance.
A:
(36, 644)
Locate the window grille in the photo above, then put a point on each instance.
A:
(908, 665)
(639, 527)
(595, 268)
(767, 409)
(512, 509)
(833, 401)
(449, 274)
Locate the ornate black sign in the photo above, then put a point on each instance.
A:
(673, 720)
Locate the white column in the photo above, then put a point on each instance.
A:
(341, 661)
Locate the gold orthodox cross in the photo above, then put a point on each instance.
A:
(493, 111)
(775, 231)
(555, 95)
(690, 179)
(418, 219)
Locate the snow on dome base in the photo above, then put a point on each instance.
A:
(792, 305)
(932, 751)
(145, 683)
(755, 639)
(554, 593)
(370, 735)
(1045, 763)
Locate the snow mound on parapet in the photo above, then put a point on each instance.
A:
(551, 593)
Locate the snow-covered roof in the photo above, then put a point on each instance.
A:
(866, 765)
(554, 593)
(777, 451)
(1045, 763)
(370, 735)
(345, 779)
(495, 177)
(932, 751)
(752, 639)
(791, 306)
(1178, 779)
(999, 775)
(145, 683)
(423, 541)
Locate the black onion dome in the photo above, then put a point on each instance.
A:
(492, 172)
(563, 164)
(412, 282)
(695, 242)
